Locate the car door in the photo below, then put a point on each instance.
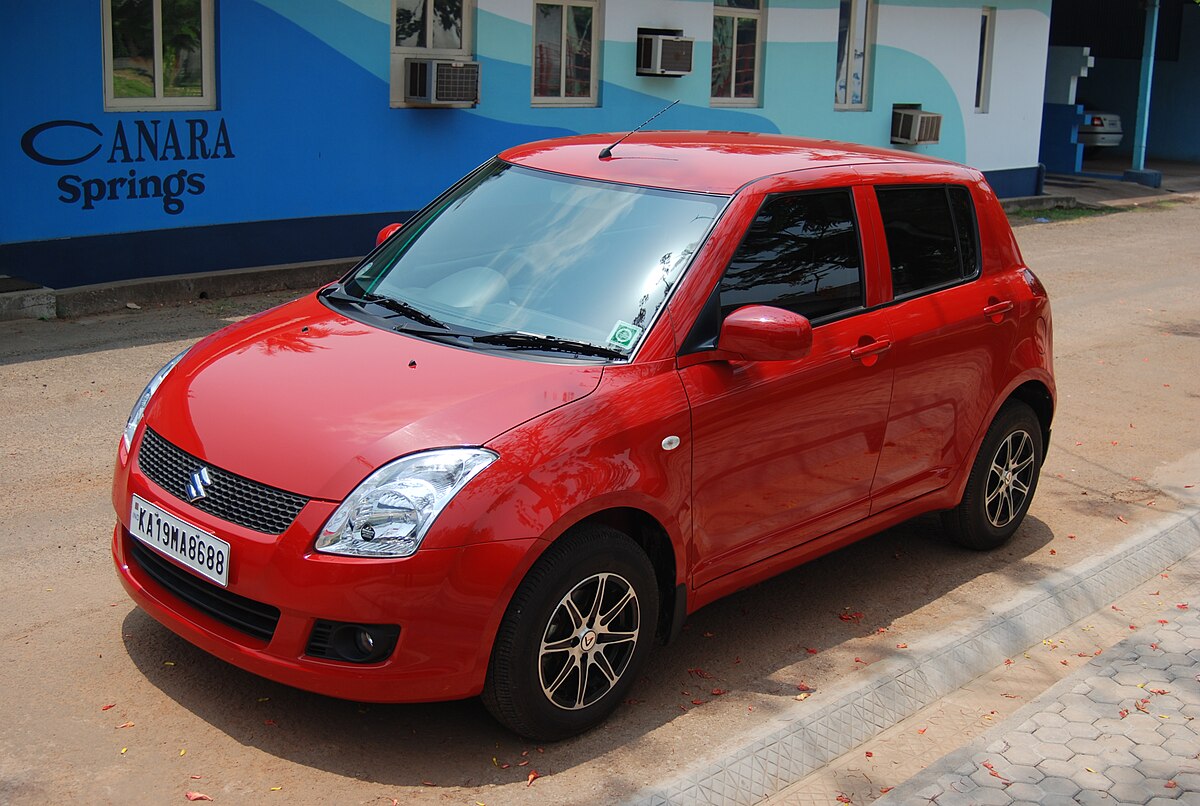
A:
(785, 451)
(953, 331)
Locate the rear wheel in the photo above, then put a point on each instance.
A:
(1002, 483)
(575, 635)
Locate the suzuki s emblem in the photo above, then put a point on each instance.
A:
(198, 484)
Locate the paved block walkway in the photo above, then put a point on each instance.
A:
(1122, 730)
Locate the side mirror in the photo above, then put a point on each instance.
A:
(386, 233)
(764, 333)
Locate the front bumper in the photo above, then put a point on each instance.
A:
(447, 602)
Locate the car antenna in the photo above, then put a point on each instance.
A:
(607, 152)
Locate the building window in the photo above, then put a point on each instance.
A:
(432, 25)
(983, 72)
(159, 54)
(855, 37)
(736, 51)
(565, 47)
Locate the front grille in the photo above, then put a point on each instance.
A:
(230, 497)
(256, 619)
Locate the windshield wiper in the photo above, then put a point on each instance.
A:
(520, 340)
(406, 309)
(392, 304)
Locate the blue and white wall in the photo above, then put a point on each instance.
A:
(304, 159)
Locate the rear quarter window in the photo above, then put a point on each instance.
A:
(932, 236)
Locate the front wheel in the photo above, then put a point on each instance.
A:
(574, 637)
(1002, 482)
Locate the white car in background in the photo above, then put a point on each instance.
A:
(1100, 129)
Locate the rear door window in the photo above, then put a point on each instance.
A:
(932, 237)
(801, 253)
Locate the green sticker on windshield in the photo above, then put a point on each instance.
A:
(624, 335)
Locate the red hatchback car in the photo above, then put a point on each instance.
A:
(577, 397)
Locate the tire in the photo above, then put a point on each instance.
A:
(1002, 482)
(552, 672)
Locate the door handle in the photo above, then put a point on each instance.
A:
(997, 310)
(869, 351)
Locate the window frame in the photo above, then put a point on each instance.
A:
(975, 233)
(868, 39)
(983, 68)
(856, 222)
(207, 100)
(593, 97)
(466, 52)
(760, 16)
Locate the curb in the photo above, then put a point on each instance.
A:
(89, 300)
(777, 757)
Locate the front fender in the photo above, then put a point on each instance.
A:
(601, 452)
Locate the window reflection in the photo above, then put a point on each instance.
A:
(524, 250)
(800, 253)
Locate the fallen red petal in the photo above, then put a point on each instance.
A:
(1124, 712)
(1121, 518)
(533, 776)
(870, 754)
(700, 673)
(883, 790)
(901, 646)
(1170, 785)
(717, 692)
(106, 707)
(196, 796)
(1182, 606)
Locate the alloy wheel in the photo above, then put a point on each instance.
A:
(589, 641)
(1009, 479)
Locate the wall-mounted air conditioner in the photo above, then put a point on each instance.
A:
(912, 126)
(663, 54)
(441, 82)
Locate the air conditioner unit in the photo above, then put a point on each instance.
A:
(441, 82)
(663, 55)
(914, 126)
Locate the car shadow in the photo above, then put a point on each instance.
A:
(739, 644)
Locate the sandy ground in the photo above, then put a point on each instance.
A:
(1126, 295)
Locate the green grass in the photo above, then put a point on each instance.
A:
(1063, 213)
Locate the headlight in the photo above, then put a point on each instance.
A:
(390, 512)
(139, 408)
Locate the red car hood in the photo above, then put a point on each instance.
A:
(309, 401)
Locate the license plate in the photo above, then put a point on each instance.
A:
(195, 548)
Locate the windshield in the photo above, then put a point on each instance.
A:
(521, 252)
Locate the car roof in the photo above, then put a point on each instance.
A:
(700, 161)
